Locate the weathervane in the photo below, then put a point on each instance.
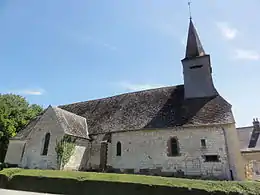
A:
(189, 9)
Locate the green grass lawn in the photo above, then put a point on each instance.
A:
(226, 186)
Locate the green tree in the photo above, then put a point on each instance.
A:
(15, 113)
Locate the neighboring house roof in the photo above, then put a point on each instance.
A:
(244, 134)
(155, 108)
(247, 137)
(72, 124)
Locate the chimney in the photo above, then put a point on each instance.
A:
(256, 124)
(255, 134)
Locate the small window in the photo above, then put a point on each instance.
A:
(211, 158)
(46, 144)
(118, 149)
(203, 143)
(173, 147)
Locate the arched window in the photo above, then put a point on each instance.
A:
(173, 147)
(46, 144)
(118, 149)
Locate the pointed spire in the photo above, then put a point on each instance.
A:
(194, 47)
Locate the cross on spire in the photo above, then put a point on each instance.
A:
(194, 47)
(190, 9)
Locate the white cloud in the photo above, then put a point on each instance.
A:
(227, 31)
(137, 87)
(29, 92)
(246, 54)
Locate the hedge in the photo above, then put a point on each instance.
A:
(69, 182)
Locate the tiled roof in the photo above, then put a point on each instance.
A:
(244, 134)
(71, 123)
(155, 108)
(249, 138)
(23, 134)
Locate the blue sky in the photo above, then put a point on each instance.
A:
(63, 51)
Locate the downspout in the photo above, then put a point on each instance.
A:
(226, 148)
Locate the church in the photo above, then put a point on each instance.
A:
(183, 130)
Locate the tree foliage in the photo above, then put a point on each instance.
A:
(15, 113)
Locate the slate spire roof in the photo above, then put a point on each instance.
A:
(194, 47)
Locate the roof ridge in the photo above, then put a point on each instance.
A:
(62, 110)
(243, 127)
(35, 119)
(121, 94)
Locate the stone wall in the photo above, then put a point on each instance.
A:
(32, 156)
(236, 162)
(77, 158)
(254, 155)
(146, 152)
(252, 164)
(14, 152)
(92, 153)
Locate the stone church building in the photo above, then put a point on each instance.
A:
(187, 129)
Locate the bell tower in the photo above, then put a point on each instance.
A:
(197, 70)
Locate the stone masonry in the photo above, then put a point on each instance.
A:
(147, 149)
(32, 156)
